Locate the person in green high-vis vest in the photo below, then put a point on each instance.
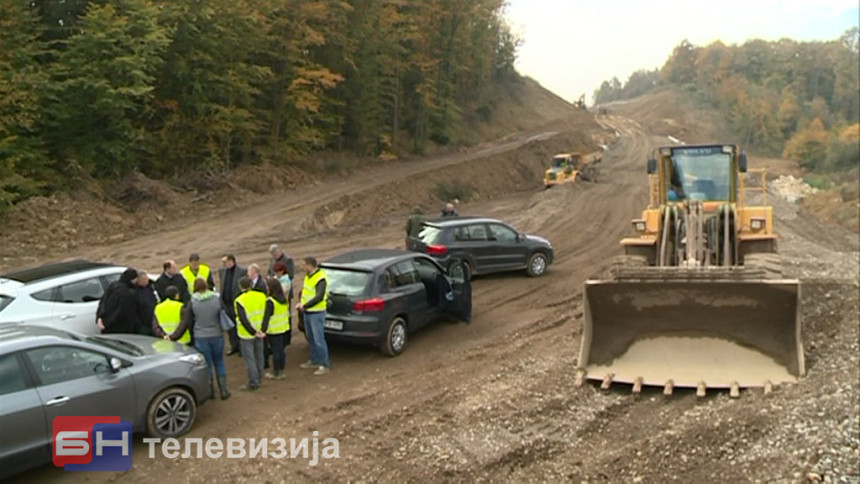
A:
(276, 324)
(250, 306)
(168, 321)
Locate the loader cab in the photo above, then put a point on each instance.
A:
(707, 173)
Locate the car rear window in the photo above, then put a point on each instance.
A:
(429, 234)
(5, 301)
(346, 282)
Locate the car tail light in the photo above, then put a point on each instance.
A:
(436, 250)
(369, 305)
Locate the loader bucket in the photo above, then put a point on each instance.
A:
(690, 333)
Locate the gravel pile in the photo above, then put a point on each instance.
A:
(791, 188)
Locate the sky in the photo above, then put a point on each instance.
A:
(571, 46)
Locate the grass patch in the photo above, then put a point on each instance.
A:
(821, 182)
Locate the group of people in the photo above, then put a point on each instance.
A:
(183, 305)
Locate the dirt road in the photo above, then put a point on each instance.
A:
(495, 399)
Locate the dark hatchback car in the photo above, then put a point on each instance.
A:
(380, 296)
(486, 245)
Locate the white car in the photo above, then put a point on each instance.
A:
(64, 295)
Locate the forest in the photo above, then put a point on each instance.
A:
(97, 89)
(800, 100)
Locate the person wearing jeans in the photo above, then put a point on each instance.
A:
(313, 303)
(203, 315)
(250, 307)
(276, 323)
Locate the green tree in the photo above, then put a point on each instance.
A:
(22, 157)
(102, 81)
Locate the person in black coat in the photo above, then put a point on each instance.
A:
(118, 309)
(172, 277)
(258, 282)
(228, 276)
(147, 299)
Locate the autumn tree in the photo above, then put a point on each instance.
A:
(22, 156)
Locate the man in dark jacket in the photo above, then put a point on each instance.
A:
(258, 282)
(228, 276)
(172, 277)
(118, 308)
(413, 224)
(278, 255)
(146, 302)
(449, 211)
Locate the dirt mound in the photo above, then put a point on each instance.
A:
(268, 179)
(668, 113)
(59, 224)
(497, 175)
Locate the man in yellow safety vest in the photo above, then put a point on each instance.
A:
(168, 323)
(313, 303)
(195, 269)
(250, 306)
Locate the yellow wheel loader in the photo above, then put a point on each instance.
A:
(571, 168)
(698, 299)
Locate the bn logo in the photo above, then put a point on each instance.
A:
(92, 443)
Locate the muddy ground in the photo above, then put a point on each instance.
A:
(495, 399)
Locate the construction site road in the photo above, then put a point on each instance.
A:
(495, 399)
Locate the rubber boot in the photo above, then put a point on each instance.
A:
(222, 383)
(211, 389)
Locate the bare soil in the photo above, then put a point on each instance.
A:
(495, 399)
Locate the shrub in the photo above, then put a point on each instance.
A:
(448, 190)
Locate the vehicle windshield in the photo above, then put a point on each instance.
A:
(5, 301)
(559, 162)
(429, 234)
(116, 345)
(700, 174)
(346, 282)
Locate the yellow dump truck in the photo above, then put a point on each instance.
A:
(571, 168)
(698, 298)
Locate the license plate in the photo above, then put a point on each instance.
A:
(338, 325)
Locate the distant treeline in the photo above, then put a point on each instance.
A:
(97, 88)
(798, 99)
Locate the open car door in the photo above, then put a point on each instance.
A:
(458, 300)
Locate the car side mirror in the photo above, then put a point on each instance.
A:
(742, 163)
(652, 166)
(115, 364)
(520, 237)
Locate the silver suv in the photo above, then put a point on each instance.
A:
(64, 295)
(154, 384)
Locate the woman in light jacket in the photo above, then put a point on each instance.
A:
(204, 317)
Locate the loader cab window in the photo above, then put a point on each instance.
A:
(700, 174)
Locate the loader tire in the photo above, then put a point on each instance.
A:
(625, 261)
(771, 264)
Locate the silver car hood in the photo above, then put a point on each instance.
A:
(149, 345)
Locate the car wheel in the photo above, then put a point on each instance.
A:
(467, 270)
(537, 264)
(171, 413)
(395, 337)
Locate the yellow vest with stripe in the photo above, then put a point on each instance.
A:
(169, 315)
(254, 304)
(202, 272)
(279, 323)
(310, 291)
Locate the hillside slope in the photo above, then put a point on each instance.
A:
(98, 214)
